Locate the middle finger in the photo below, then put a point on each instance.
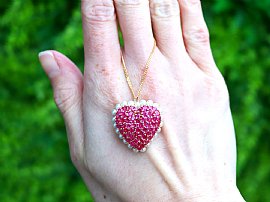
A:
(135, 22)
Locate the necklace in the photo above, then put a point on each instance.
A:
(137, 122)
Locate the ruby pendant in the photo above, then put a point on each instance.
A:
(137, 123)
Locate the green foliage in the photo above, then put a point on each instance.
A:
(34, 155)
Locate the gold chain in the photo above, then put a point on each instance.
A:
(143, 76)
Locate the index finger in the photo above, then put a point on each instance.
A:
(101, 43)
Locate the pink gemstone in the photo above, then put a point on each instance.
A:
(138, 126)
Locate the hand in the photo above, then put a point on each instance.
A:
(194, 158)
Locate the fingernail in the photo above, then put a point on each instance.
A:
(48, 63)
(45, 53)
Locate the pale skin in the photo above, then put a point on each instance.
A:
(194, 157)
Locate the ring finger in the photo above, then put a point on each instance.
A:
(135, 22)
(167, 27)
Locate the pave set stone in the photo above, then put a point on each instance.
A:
(137, 123)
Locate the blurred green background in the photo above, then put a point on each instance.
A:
(34, 157)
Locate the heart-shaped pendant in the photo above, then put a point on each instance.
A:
(137, 123)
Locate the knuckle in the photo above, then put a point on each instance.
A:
(65, 97)
(101, 12)
(164, 8)
(104, 91)
(97, 83)
(188, 3)
(130, 3)
(217, 88)
(197, 35)
(75, 159)
(195, 2)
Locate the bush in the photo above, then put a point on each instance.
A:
(34, 157)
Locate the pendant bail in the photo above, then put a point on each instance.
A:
(136, 99)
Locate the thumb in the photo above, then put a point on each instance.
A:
(67, 83)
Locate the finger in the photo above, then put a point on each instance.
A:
(101, 41)
(196, 35)
(165, 16)
(67, 83)
(135, 22)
